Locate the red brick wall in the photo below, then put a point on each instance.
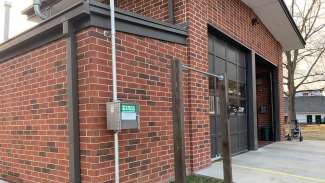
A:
(230, 16)
(234, 18)
(157, 9)
(144, 76)
(198, 124)
(33, 98)
(281, 103)
(33, 116)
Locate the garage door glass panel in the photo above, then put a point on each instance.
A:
(228, 58)
(234, 102)
(242, 59)
(211, 42)
(220, 49)
(232, 88)
(231, 71)
(242, 90)
(211, 63)
(241, 74)
(242, 107)
(231, 55)
(219, 66)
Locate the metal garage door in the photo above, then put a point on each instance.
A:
(223, 57)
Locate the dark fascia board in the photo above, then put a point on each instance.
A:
(32, 43)
(87, 14)
(41, 34)
(29, 11)
(292, 22)
(45, 25)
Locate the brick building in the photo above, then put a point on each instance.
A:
(56, 79)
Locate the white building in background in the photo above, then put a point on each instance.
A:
(310, 109)
(310, 93)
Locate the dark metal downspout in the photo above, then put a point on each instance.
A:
(276, 105)
(171, 15)
(252, 109)
(73, 104)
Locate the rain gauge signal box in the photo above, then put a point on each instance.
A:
(122, 115)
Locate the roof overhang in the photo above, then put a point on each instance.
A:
(49, 7)
(275, 15)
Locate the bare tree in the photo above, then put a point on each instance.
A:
(302, 67)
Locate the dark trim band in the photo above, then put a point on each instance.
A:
(84, 14)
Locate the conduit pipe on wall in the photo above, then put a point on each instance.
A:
(7, 6)
(171, 13)
(37, 8)
(113, 35)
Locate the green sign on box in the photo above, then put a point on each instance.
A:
(128, 108)
(129, 112)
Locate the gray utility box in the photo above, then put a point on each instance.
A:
(122, 115)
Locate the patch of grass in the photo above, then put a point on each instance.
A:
(201, 179)
(312, 132)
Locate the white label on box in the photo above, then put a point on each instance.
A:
(129, 116)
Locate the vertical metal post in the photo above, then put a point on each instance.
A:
(178, 122)
(224, 114)
(215, 83)
(7, 6)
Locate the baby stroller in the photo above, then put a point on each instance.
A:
(295, 132)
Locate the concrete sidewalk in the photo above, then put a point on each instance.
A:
(282, 162)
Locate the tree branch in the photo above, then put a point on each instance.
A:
(323, 88)
(305, 18)
(286, 93)
(311, 68)
(311, 27)
(312, 32)
(311, 75)
(314, 81)
(311, 53)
